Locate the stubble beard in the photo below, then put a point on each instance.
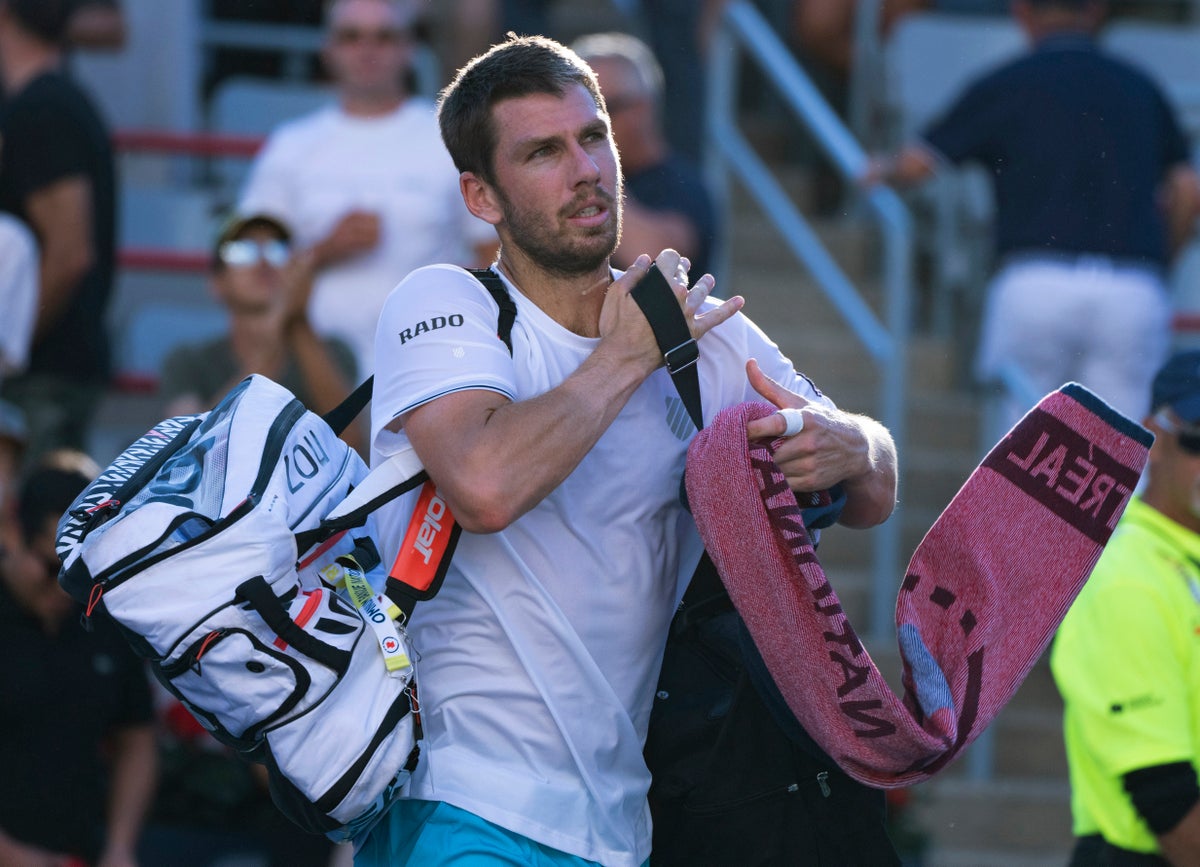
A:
(541, 240)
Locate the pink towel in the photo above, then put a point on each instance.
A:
(983, 594)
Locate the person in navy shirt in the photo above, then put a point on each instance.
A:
(1094, 193)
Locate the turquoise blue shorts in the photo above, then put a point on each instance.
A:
(435, 834)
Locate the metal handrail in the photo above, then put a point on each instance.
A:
(742, 31)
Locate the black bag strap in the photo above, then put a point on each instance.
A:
(340, 416)
(661, 308)
(508, 310)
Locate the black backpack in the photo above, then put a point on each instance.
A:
(736, 778)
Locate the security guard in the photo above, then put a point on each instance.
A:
(1127, 657)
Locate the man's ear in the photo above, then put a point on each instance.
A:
(481, 198)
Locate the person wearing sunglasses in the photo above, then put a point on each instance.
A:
(265, 286)
(366, 183)
(1127, 657)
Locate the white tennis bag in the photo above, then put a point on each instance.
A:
(235, 550)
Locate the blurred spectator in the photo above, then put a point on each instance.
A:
(1126, 658)
(76, 741)
(57, 176)
(677, 31)
(265, 287)
(96, 25)
(1094, 193)
(366, 184)
(666, 202)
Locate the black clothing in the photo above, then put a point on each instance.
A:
(1077, 143)
(50, 132)
(737, 780)
(60, 696)
(1094, 851)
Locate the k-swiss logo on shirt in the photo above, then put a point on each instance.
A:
(678, 420)
(425, 326)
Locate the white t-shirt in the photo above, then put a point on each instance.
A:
(316, 169)
(539, 656)
(18, 293)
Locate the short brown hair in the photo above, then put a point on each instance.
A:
(520, 66)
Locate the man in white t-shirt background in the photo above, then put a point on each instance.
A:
(366, 183)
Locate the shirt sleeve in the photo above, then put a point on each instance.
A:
(776, 365)
(43, 139)
(436, 336)
(967, 130)
(1175, 142)
(1124, 678)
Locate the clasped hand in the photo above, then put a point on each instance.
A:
(622, 320)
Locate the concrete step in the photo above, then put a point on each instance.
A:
(839, 364)
(849, 239)
(948, 418)
(1005, 821)
(944, 856)
(799, 182)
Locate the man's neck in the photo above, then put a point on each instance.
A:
(1054, 22)
(21, 61)
(371, 105)
(1157, 497)
(573, 301)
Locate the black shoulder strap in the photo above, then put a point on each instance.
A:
(654, 296)
(340, 416)
(508, 310)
